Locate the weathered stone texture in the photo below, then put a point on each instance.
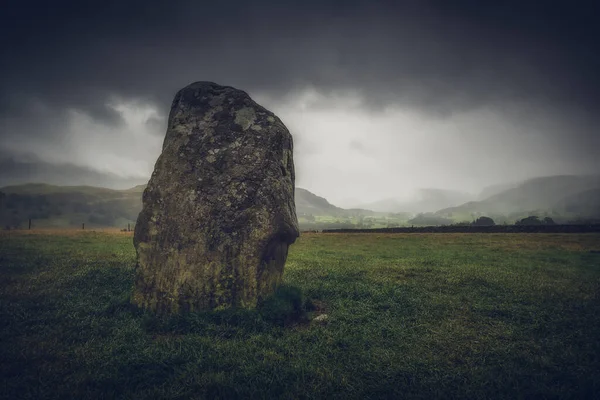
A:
(218, 213)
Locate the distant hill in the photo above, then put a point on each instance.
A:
(68, 206)
(584, 204)
(308, 203)
(563, 198)
(136, 189)
(423, 201)
(493, 190)
(549, 195)
(65, 206)
(45, 189)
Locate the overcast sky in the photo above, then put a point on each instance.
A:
(381, 97)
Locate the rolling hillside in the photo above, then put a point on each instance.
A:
(563, 198)
(567, 196)
(66, 206)
(308, 203)
(70, 206)
(585, 204)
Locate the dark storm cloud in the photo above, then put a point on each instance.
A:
(440, 55)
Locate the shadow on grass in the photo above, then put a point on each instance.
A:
(103, 292)
(286, 308)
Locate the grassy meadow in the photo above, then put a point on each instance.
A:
(424, 316)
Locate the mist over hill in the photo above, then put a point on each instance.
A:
(565, 198)
(423, 200)
(585, 204)
(493, 190)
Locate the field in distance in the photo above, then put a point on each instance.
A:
(408, 316)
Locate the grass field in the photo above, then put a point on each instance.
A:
(409, 316)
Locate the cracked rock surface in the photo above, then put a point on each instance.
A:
(218, 212)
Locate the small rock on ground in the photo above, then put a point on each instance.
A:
(321, 318)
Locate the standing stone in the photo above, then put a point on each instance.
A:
(218, 213)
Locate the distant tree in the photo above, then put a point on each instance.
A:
(310, 217)
(549, 221)
(484, 221)
(531, 220)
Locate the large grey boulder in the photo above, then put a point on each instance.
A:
(218, 213)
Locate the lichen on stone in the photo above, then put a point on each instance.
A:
(245, 117)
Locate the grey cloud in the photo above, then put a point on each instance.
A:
(157, 125)
(534, 64)
(358, 147)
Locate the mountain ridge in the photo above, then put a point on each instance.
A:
(540, 194)
(562, 196)
(72, 205)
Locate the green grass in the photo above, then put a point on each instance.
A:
(410, 316)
